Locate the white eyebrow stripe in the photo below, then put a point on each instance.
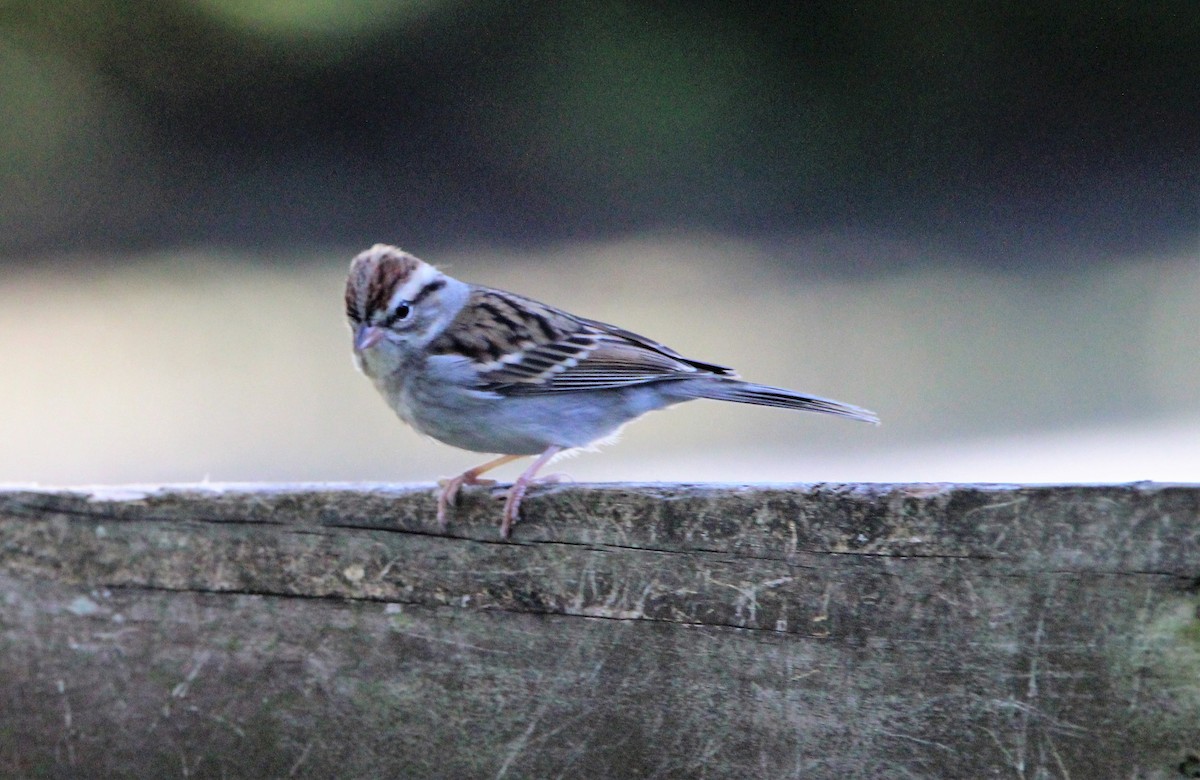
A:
(416, 282)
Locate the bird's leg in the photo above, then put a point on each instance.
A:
(517, 491)
(449, 492)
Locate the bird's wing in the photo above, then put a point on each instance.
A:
(522, 347)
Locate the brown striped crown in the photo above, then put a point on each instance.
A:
(378, 274)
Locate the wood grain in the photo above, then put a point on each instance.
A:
(899, 631)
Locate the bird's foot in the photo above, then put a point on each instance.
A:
(448, 494)
(512, 504)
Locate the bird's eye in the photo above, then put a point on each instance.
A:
(400, 313)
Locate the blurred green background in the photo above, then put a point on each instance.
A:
(981, 220)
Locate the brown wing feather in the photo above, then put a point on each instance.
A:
(494, 324)
(526, 347)
(653, 346)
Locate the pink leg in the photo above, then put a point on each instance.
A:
(449, 491)
(517, 491)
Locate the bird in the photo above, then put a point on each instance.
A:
(491, 371)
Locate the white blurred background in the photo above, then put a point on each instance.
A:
(980, 220)
(193, 366)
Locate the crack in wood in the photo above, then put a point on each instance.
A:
(803, 632)
(352, 600)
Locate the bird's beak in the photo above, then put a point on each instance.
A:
(366, 337)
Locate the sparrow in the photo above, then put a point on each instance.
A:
(491, 371)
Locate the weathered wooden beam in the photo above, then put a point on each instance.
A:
(899, 631)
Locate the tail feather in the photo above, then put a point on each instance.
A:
(764, 395)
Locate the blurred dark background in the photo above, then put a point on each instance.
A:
(1042, 133)
(981, 220)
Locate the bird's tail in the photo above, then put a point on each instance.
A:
(764, 395)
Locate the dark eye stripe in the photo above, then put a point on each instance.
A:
(404, 309)
(428, 289)
(401, 312)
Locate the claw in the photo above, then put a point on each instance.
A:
(448, 495)
(548, 479)
(512, 505)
